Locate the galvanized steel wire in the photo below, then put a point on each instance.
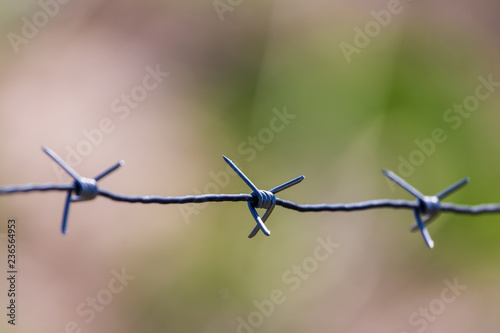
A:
(425, 208)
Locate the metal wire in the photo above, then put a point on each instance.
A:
(425, 208)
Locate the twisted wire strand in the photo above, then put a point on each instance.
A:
(425, 208)
(337, 207)
(149, 199)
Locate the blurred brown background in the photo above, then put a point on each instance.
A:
(364, 85)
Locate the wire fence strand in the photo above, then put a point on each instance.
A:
(425, 208)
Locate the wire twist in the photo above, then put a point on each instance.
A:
(428, 206)
(84, 188)
(265, 199)
(425, 208)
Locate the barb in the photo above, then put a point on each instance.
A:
(425, 208)
(85, 188)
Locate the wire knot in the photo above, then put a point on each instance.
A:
(265, 199)
(84, 188)
(429, 206)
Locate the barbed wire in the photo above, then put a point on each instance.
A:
(425, 208)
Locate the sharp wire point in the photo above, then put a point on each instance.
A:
(109, 170)
(61, 163)
(241, 174)
(259, 221)
(423, 230)
(401, 182)
(64, 225)
(287, 184)
(452, 188)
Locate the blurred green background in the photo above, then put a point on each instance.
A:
(232, 67)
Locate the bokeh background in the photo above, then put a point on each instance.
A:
(232, 66)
